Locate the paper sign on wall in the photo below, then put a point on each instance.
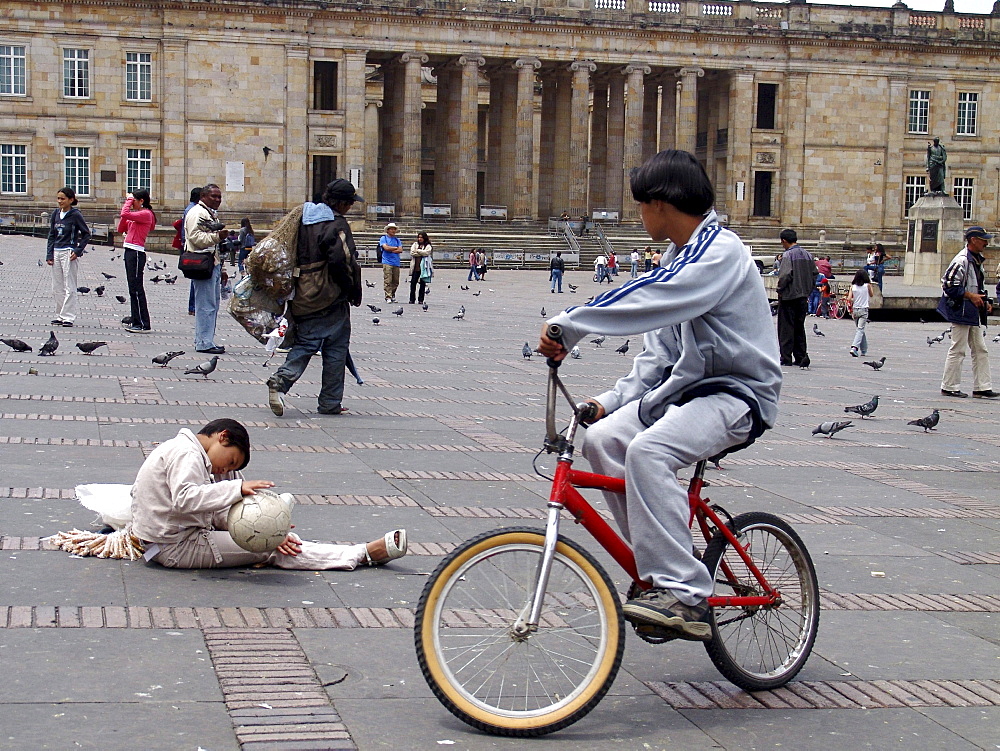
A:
(234, 177)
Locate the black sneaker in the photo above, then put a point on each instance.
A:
(275, 399)
(659, 607)
(988, 394)
(956, 394)
(339, 410)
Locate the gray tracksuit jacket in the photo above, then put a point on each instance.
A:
(706, 324)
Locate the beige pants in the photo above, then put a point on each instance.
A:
(970, 337)
(390, 279)
(64, 284)
(216, 549)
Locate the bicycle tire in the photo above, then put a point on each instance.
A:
(759, 648)
(475, 665)
(840, 310)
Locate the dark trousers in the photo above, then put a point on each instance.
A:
(135, 264)
(414, 281)
(792, 330)
(328, 333)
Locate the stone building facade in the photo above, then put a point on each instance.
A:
(804, 115)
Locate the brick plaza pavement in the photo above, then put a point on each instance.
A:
(903, 527)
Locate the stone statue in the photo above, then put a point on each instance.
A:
(936, 159)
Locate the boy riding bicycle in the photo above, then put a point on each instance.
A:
(706, 380)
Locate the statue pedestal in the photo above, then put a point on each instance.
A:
(934, 236)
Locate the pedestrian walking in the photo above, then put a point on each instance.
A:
(67, 242)
(473, 266)
(139, 221)
(634, 258)
(246, 242)
(601, 269)
(860, 297)
(390, 247)
(556, 268)
(200, 237)
(421, 267)
(796, 279)
(647, 258)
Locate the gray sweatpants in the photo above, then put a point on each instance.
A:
(654, 512)
(215, 549)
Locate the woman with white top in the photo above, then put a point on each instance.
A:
(68, 237)
(860, 295)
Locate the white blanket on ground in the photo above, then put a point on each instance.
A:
(113, 503)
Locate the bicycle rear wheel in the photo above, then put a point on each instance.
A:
(760, 648)
(501, 682)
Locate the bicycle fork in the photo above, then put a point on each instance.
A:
(527, 623)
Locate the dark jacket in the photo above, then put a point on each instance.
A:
(69, 232)
(964, 274)
(797, 274)
(557, 264)
(328, 270)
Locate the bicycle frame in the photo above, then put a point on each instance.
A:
(564, 495)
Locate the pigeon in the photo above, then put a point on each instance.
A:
(599, 340)
(829, 428)
(170, 279)
(88, 347)
(948, 332)
(526, 351)
(374, 309)
(83, 290)
(425, 306)
(376, 321)
(572, 287)
(156, 279)
(543, 311)
(120, 298)
(370, 285)
(477, 293)
(17, 345)
(203, 368)
(866, 409)
(50, 347)
(398, 312)
(106, 275)
(927, 423)
(463, 288)
(100, 290)
(876, 365)
(931, 341)
(460, 316)
(461, 309)
(623, 349)
(165, 357)
(816, 330)
(996, 338)
(575, 353)
(41, 262)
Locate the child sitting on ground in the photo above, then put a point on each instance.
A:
(706, 380)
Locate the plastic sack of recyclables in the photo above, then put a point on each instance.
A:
(255, 311)
(271, 264)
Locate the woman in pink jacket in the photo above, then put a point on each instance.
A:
(137, 220)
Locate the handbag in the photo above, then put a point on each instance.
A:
(194, 265)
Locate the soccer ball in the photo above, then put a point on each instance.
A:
(260, 523)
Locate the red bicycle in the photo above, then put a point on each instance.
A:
(520, 632)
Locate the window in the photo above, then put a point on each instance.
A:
(324, 171)
(13, 168)
(13, 67)
(962, 191)
(914, 187)
(920, 106)
(968, 110)
(324, 85)
(76, 73)
(138, 169)
(77, 167)
(767, 99)
(138, 76)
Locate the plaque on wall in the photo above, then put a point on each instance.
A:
(929, 236)
(910, 234)
(765, 157)
(327, 140)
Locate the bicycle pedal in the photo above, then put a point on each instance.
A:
(654, 634)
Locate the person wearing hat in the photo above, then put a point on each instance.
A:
(965, 305)
(329, 282)
(391, 246)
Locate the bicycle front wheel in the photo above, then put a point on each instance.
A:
(518, 684)
(756, 647)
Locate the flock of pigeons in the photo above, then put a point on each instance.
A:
(829, 429)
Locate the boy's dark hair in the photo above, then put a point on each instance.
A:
(235, 432)
(861, 277)
(675, 177)
(195, 195)
(789, 236)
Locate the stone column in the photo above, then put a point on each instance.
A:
(547, 138)
(174, 157)
(687, 113)
(466, 112)
(503, 99)
(787, 195)
(561, 140)
(599, 144)
(445, 147)
(650, 118)
(410, 106)
(616, 141)
(632, 154)
(579, 130)
(391, 136)
(520, 205)
(369, 175)
(739, 152)
(668, 113)
(296, 132)
(893, 160)
(353, 101)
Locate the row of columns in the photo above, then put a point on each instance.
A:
(620, 128)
